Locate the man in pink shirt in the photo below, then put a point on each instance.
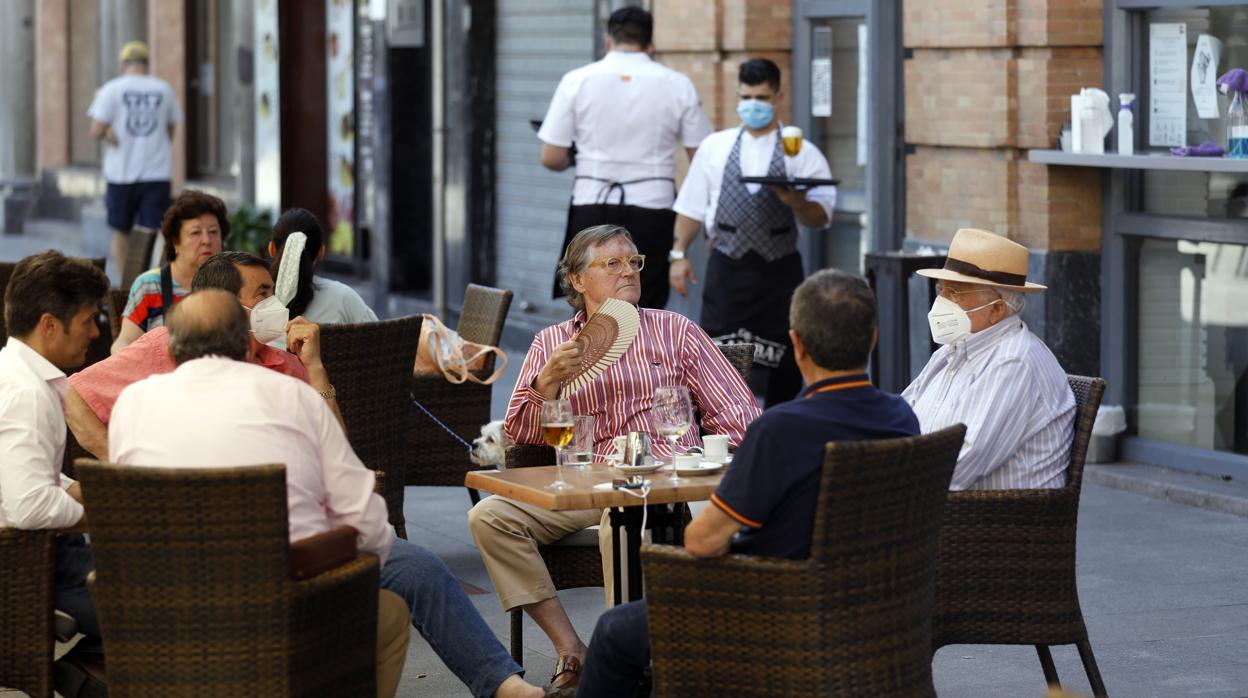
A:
(93, 391)
(600, 263)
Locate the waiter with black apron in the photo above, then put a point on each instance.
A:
(620, 121)
(754, 266)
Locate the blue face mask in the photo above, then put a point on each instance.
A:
(755, 113)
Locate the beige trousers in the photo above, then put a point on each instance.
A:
(394, 628)
(508, 532)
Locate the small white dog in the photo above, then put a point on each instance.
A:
(490, 448)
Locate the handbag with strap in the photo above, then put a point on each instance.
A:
(442, 351)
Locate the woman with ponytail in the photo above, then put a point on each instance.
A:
(318, 299)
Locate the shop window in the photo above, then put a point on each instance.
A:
(1193, 344)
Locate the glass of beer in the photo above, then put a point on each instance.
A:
(792, 138)
(557, 431)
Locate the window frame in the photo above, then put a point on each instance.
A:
(1123, 225)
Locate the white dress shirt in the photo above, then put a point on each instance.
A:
(32, 442)
(1005, 385)
(218, 412)
(627, 115)
(699, 193)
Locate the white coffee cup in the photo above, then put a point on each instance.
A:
(684, 462)
(715, 446)
(618, 442)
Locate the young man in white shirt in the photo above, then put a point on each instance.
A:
(50, 310)
(135, 115)
(619, 121)
(754, 265)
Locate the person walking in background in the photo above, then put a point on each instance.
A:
(754, 264)
(619, 121)
(135, 115)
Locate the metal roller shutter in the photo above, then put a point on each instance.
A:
(538, 41)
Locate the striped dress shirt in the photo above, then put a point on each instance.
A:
(1005, 385)
(669, 350)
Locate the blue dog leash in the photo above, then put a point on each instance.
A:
(440, 423)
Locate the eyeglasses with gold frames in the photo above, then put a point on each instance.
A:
(947, 292)
(615, 265)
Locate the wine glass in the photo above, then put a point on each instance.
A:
(557, 431)
(672, 413)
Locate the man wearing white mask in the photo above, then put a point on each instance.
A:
(992, 374)
(754, 265)
(93, 391)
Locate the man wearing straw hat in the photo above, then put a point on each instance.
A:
(992, 374)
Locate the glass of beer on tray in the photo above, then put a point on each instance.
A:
(557, 431)
(792, 137)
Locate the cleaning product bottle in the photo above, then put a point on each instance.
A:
(1235, 83)
(1237, 127)
(1126, 124)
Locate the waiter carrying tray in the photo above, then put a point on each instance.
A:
(754, 265)
(627, 115)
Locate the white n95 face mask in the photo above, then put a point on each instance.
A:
(268, 320)
(949, 322)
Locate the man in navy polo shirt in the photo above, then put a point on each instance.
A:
(765, 504)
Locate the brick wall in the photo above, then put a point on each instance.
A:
(709, 39)
(987, 80)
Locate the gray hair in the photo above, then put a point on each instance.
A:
(576, 257)
(834, 314)
(208, 323)
(1014, 300)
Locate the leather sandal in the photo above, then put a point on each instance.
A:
(567, 672)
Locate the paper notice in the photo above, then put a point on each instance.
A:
(1204, 76)
(1167, 75)
(821, 73)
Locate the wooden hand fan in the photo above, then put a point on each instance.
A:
(603, 339)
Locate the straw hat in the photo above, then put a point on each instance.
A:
(987, 259)
(134, 51)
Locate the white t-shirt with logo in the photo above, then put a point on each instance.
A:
(139, 109)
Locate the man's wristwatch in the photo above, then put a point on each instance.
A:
(675, 255)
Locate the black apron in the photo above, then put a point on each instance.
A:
(751, 274)
(651, 229)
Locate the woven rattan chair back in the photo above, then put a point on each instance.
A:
(439, 459)
(138, 259)
(117, 300)
(194, 595)
(853, 620)
(741, 356)
(1005, 571)
(484, 313)
(371, 364)
(27, 567)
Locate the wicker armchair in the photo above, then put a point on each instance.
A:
(1005, 572)
(27, 568)
(436, 458)
(140, 243)
(576, 561)
(370, 364)
(117, 300)
(853, 620)
(195, 594)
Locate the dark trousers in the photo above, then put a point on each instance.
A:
(619, 653)
(753, 294)
(651, 229)
(73, 563)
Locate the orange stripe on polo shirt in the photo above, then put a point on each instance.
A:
(840, 386)
(735, 516)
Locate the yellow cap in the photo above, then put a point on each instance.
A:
(134, 51)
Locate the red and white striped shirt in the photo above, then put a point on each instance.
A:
(669, 350)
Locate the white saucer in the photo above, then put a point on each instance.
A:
(637, 469)
(703, 468)
(726, 460)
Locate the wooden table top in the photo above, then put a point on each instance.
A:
(529, 485)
